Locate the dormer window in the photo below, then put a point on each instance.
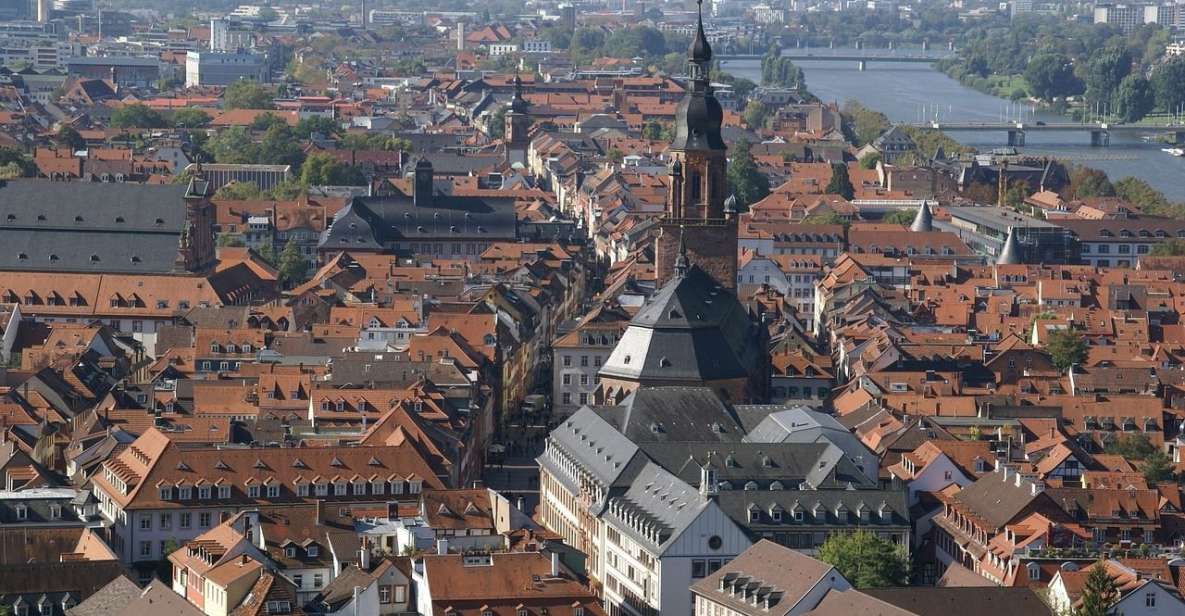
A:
(166, 493)
(312, 550)
(290, 552)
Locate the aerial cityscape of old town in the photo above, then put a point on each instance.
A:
(584, 308)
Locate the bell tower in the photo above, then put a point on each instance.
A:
(698, 207)
(518, 123)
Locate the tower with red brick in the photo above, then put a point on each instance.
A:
(698, 207)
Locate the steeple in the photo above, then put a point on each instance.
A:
(924, 221)
(700, 52)
(518, 104)
(1010, 253)
(681, 264)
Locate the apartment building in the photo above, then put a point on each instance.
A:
(154, 492)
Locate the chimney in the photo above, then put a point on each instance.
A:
(441, 547)
(364, 557)
(422, 184)
(555, 564)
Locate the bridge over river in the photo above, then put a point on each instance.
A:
(1100, 132)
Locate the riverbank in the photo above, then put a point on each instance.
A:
(909, 93)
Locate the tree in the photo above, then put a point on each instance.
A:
(496, 125)
(749, 184)
(830, 218)
(136, 115)
(69, 138)
(899, 217)
(239, 191)
(265, 121)
(652, 131)
(280, 147)
(867, 561)
(1051, 75)
(233, 145)
(190, 117)
(1098, 593)
(1134, 98)
(755, 114)
(16, 163)
(226, 239)
(1067, 347)
(840, 183)
(246, 94)
(1016, 194)
(317, 124)
(1171, 248)
(1104, 72)
(1087, 182)
(267, 252)
(869, 160)
(293, 266)
(1168, 84)
(1134, 446)
(1157, 467)
(322, 169)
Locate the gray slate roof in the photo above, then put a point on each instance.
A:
(691, 330)
(90, 227)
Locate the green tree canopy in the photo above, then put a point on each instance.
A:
(1157, 467)
(293, 266)
(136, 115)
(190, 117)
(1171, 248)
(867, 561)
(1051, 75)
(317, 124)
(1087, 182)
(749, 184)
(1066, 347)
(239, 191)
(899, 217)
(1133, 446)
(246, 94)
(840, 183)
(1134, 98)
(322, 169)
(1168, 84)
(1105, 71)
(233, 145)
(1098, 593)
(69, 138)
(869, 161)
(755, 114)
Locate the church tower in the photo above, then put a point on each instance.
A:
(698, 207)
(518, 123)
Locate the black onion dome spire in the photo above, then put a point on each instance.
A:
(700, 50)
(518, 104)
(699, 116)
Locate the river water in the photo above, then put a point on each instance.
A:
(911, 92)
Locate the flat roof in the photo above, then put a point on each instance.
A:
(996, 217)
(113, 60)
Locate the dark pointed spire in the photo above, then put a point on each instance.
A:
(681, 264)
(518, 104)
(701, 51)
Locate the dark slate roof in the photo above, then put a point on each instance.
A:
(90, 227)
(691, 330)
(736, 503)
(762, 463)
(673, 415)
(965, 601)
(371, 222)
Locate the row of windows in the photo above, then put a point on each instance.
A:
(1124, 249)
(185, 520)
(340, 488)
(584, 359)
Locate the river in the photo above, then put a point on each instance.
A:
(909, 92)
